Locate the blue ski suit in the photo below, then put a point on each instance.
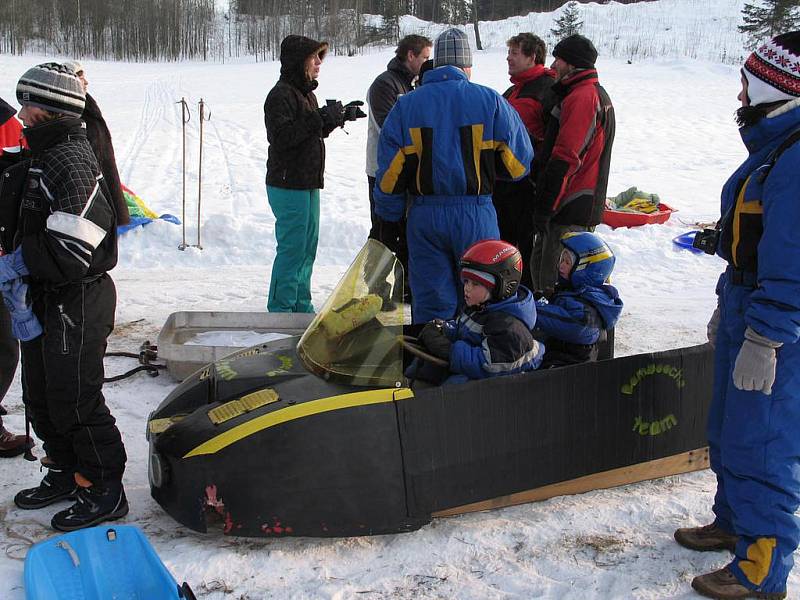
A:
(755, 438)
(494, 340)
(571, 322)
(444, 143)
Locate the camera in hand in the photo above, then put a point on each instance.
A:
(707, 240)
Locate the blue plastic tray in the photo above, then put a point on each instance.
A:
(685, 240)
(99, 563)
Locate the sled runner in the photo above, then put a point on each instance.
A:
(99, 563)
(323, 435)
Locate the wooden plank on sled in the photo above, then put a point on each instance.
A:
(694, 460)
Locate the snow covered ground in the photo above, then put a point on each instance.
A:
(675, 136)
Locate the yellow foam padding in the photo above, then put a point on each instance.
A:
(298, 411)
(338, 323)
(759, 560)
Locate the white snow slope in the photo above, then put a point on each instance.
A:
(675, 136)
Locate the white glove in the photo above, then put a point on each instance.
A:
(711, 328)
(755, 365)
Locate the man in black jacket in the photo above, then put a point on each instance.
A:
(64, 244)
(396, 80)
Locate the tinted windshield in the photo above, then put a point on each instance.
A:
(355, 338)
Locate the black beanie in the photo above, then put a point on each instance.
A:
(577, 51)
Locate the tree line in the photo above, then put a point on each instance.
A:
(171, 30)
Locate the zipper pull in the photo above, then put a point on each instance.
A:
(65, 316)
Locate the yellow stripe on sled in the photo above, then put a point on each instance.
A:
(298, 411)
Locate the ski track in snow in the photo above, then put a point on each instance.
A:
(675, 136)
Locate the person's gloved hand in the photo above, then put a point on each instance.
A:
(711, 328)
(352, 110)
(540, 223)
(332, 114)
(12, 266)
(24, 324)
(754, 369)
(435, 341)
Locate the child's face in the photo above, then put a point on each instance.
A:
(475, 293)
(565, 262)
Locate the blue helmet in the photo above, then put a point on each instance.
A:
(594, 260)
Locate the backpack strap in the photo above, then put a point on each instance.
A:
(773, 157)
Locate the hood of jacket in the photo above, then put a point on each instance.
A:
(605, 299)
(6, 111)
(401, 68)
(773, 128)
(534, 72)
(521, 306)
(295, 49)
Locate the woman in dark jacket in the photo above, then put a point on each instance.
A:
(295, 131)
(100, 141)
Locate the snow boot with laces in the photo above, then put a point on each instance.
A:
(95, 504)
(705, 538)
(723, 585)
(57, 484)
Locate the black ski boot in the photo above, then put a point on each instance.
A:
(57, 484)
(95, 504)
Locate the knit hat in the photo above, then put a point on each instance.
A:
(773, 71)
(576, 50)
(76, 67)
(487, 280)
(452, 48)
(52, 87)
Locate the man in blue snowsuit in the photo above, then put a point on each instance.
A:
(583, 305)
(444, 143)
(755, 413)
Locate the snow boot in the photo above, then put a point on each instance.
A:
(723, 585)
(57, 484)
(13, 445)
(95, 504)
(705, 538)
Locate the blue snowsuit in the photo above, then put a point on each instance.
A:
(494, 340)
(444, 143)
(755, 438)
(571, 322)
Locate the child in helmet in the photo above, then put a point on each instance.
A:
(583, 304)
(492, 334)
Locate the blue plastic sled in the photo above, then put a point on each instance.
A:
(99, 563)
(685, 241)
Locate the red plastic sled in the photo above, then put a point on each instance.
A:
(621, 218)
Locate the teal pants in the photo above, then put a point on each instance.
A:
(296, 232)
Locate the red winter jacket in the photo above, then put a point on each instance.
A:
(526, 98)
(577, 149)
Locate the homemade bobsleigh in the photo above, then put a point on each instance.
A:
(323, 436)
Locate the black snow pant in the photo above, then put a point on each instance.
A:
(513, 203)
(9, 353)
(62, 378)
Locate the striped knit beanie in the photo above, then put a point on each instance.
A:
(452, 48)
(773, 71)
(52, 87)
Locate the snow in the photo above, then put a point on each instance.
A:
(675, 136)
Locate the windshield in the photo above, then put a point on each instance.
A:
(355, 338)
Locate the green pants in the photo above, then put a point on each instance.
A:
(296, 232)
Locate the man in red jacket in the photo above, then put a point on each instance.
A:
(529, 95)
(574, 158)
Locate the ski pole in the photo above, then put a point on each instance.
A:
(202, 118)
(185, 117)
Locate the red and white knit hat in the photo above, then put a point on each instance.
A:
(773, 71)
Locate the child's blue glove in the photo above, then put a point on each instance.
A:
(12, 266)
(24, 324)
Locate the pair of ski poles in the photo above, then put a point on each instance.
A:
(185, 118)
